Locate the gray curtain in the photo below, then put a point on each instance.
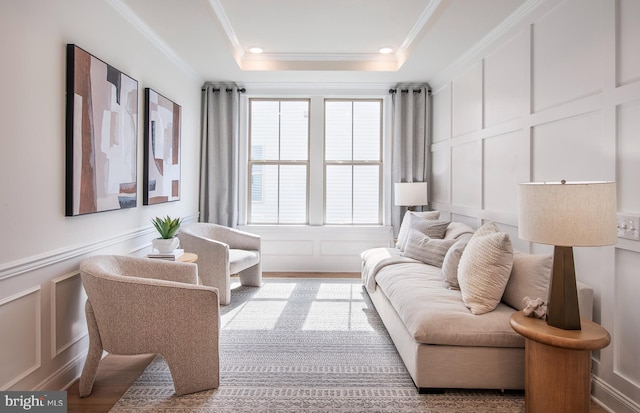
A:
(411, 137)
(219, 155)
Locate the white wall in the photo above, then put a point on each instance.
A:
(556, 96)
(41, 300)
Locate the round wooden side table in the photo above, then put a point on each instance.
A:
(558, 364)
(187, 257)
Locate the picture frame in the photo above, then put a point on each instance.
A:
(101, 136)
(162, 153)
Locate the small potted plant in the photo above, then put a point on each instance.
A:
(167, 227)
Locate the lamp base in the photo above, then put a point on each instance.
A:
(562, 306)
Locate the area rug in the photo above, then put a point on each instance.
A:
(306, 345)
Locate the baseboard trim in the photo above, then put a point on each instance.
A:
(65, 376)
(611, 399)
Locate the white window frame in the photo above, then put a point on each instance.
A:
(316, 94)
(272, 162)
(379, 162)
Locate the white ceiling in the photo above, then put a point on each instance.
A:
(320, 41)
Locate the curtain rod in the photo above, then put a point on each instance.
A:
(240, 90)
(392, 91)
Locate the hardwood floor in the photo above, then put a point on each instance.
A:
(115, 376)
(117, 373)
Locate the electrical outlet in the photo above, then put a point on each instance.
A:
(629, 226)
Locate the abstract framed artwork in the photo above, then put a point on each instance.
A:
(101, 130)
(161, 178)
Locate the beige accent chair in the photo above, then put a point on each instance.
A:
(223, 251)
(146, 306)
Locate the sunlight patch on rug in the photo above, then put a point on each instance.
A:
(306, 345)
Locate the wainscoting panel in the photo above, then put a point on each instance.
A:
(563, 68)
(20, 323)
(628, 150)
(506, 164)
(554, 150)
(505, 81)
(467, 102)
(68, 321)
(584, 77)
(287, 247)
(441, 99)
(626, 332)
(440, 185)
(628, 39)
(317, 248)
(466, 175)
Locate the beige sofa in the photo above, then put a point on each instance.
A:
(441, 342)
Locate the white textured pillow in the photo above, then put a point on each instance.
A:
(529, 278)
(484, 269)
(404, 227)
(428, 250)
(452, 260)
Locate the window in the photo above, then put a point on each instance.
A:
(278, 161)
(314, 161)
(353, 161)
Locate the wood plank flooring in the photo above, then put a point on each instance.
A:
(117, 373)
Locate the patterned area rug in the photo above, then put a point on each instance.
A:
(306, 345)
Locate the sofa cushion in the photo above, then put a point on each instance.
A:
(452, 260)
(428, 250)
(484, 269)
(404, 226)
(457, 230)
(433, 314)
(529, 278)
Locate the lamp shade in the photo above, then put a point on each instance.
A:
(411, 194)
(578, 214)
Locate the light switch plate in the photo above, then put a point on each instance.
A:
(629, 226)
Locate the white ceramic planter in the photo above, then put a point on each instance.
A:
(165, 246)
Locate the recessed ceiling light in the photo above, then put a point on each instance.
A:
(256, 50)
(385, 50)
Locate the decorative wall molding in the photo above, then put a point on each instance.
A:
(57, 349)
(36, 334)
(143, 28)
(510, 23)
(49, 258)
(14, 268)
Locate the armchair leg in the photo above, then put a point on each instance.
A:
(193, 375)
(252, 276)
(94, 355)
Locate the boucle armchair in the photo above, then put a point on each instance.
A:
(145, 306)
(223, 251)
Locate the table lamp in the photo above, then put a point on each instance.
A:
(411, 194)
(566, 215)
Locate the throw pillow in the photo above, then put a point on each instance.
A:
(455, 230)
(452, 260)
(428, 250)
(404, 227)
(529, 278)
(484, 269)
(428, 227)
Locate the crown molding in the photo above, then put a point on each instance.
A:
(143, 28)
(516, 18)
(321, 61)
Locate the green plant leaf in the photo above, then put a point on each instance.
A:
(167, 227)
